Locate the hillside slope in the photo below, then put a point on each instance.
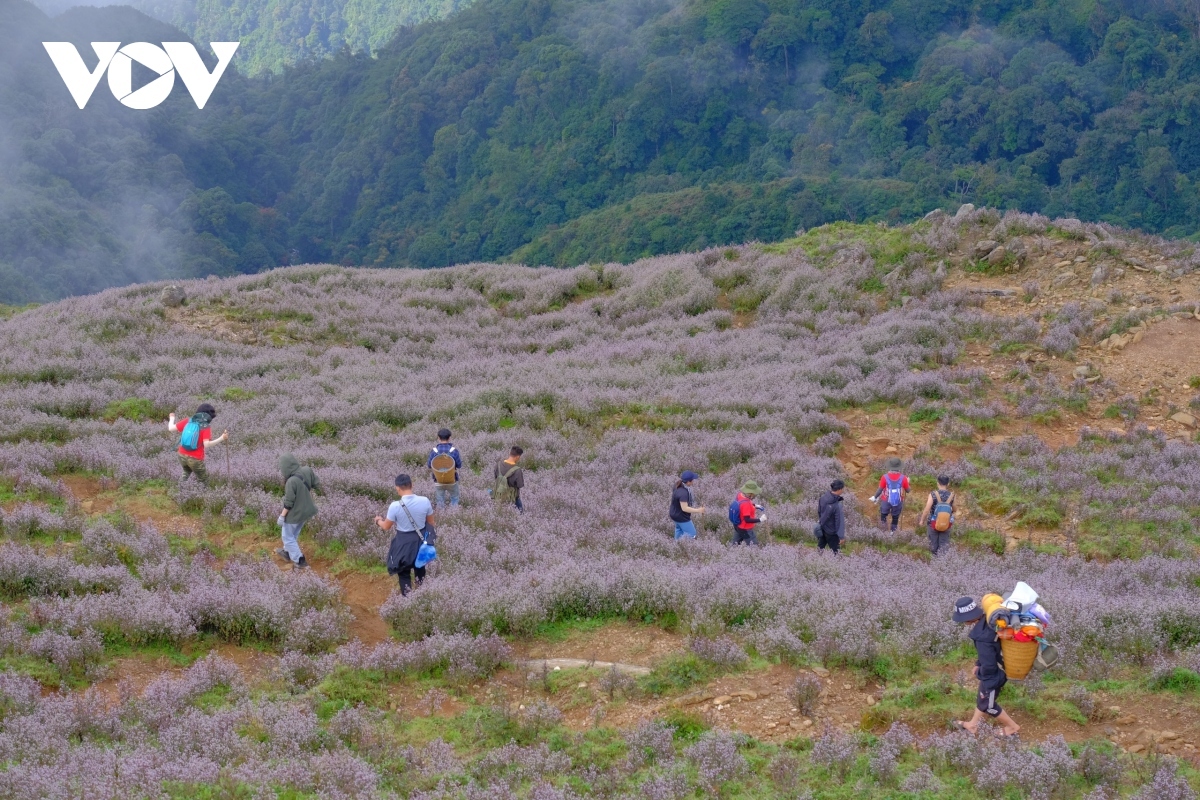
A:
(1045, 365)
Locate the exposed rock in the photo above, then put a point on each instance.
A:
(1099, 274)
(1184, 418)
(723, 700)
(936, 214)
(996, 257)
(963, 210)
(1062, 279)
(995, 292)
(821, 671)
(173, 296)
(985, 246)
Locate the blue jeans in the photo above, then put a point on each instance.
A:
(685, 530)
(290, 534)
(444, 491)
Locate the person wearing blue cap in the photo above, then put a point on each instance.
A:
(683, 505)
(412, 519)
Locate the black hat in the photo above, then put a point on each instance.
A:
(444, 433)
(206, 408)
(967, 610)
(837, 485)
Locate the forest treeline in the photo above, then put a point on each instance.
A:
(275, 34)
(562, 131)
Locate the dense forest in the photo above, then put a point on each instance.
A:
(277, 33)
(562, 131)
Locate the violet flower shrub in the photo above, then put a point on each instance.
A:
(562, 361)
(1117, 495)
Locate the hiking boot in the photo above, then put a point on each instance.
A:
(301, 564)
(283, 554)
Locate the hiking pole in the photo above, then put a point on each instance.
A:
(228, 477)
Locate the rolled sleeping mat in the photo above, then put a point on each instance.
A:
(993, 607)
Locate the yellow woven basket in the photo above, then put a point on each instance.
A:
(1018, 658)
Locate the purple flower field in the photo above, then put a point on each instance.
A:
(613, 379)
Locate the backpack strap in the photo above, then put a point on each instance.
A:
(411, 518)
(508, 474)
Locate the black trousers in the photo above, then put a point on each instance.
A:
(824, 539)
(406, 581)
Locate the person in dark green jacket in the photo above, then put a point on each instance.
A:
(298, 507)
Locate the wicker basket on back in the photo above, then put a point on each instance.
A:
(1018, 658)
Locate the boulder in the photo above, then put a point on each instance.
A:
(963, 210)
(1184, 418)
(173, 296)
(985, 246)
(996, 257)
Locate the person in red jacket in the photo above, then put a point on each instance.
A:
(749, 514)
(192, 461)
(893, 488)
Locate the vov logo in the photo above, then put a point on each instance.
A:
(118, 61)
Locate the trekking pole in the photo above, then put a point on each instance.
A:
(228, 477)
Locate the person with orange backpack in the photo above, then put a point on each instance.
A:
(893, 488)
(939, 514)
(444, 463)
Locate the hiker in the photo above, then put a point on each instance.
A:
(195, 439)
(989, 668)
(744, 513)
(413, 521)
(298, 507)
(939, 515)
(683, 505)
(893, 488)
(510, 478)
(831, 518)
(444, 463)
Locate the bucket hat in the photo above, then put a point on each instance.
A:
(750, 487)
(893, 464)
(966, 610)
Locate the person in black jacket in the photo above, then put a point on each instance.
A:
(989, 668)
(831, 518)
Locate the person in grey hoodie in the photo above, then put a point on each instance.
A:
(831, 518)
(298, 507)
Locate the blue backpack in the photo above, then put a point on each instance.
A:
(735, 512)
(893, 490)
(190, 439)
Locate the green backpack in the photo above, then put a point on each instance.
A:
(503, 493)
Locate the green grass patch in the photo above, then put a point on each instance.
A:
(135, 409)
(979, 539)
(235, 394)
(677, 673)
(928, 414)
(1178, 680)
